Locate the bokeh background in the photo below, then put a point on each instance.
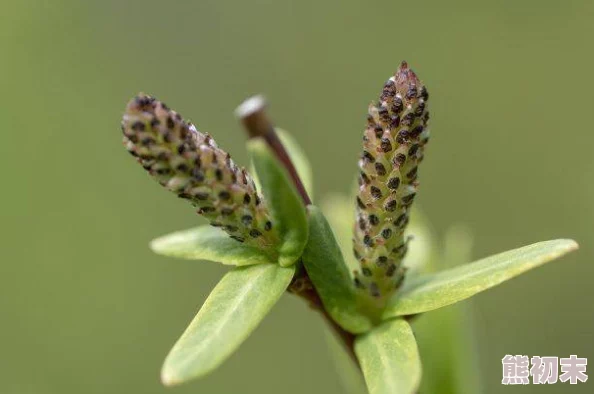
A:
(84, 305)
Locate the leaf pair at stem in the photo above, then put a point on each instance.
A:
(269, 236)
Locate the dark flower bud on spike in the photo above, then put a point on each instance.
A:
(190, 164)
(380, 169)
(386, 145)
(378, 131)
(390, 172)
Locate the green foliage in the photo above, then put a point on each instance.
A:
(232, 311)
(389, 358)
(209, 243)
(429, 292)
(384, 343)
(284, 202)
(299, 160)
(326, 268)
(339, 211)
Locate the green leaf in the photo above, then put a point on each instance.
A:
(427, 292)
(208, 243)
(285, 204)
(231, 312)
(389, 358)
(326, 268)
(340, 212)
(299, 159)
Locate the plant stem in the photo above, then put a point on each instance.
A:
(253, 116)
(252, 113)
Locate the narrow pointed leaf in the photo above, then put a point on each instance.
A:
(299, 159)
(326, 268)
(283, 200)
(209, 243)
(389, 358)
(231, 312)
(339, 210)
(428, 292)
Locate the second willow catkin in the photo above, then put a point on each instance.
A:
(393, 147)
(190, 164)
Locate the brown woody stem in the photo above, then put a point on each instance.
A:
(252, 113)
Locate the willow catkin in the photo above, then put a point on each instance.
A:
(393, 147)
(190, 164)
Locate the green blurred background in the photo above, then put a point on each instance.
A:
(86, 308)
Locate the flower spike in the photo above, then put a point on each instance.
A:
(190, 164)
(393, 147)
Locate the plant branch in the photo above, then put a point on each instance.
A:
(252, 113)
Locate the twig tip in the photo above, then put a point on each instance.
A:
(250, 106)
